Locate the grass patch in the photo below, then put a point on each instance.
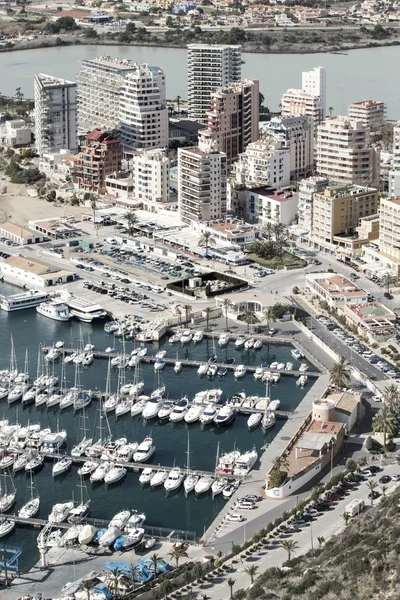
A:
(288, 260)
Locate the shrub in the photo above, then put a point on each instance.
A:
(351, 465)
(277, 478)
(373, 446)
(390, 445)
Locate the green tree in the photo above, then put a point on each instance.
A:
(131, 219)
(290, 546)
(231, 582)
(249, 317)
(19, 95)
(131, 28)
(280, 239)
(205, 240)
(351, 465)
(155, 558)
(87, 587)
(188, 309)
(67, 23)
(280, 463)
(391, 398)
(384, 422)
(372, 485)
(268, 315)
(346, 518)
(227, 304)
(384, 489)
(166, 587)
(208, 310)
(178, 102)
(320, 540)
(340, 373)
(90, 32)
(176, 554)
(117, 580)
(251, 572)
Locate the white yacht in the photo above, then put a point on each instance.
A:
(198, 337)
(194, 413)
(214, 395)
(109, 537)
(240, 371)
(22, 300)
(100, 472)
(115, 474)
(297, 354)
(303, 368)
(203, 485)
(190, 482)
(138, 407)
(302, 380)
(224, 416)
(202, 370)
(166, 409)
(258, 373)
(218, 486)
(6, 527)
(254, 420)
(280, 366)
(53, 354)
(208, 415)
(245, 462)
(123, 407)
(159, 364)
(223, 340)
(30, 509)
(275, 377)
(249, 343)
(178, 367)
(133, 538)
(144, 451)
(60, 512)
(62, 466)
(289, 366)
(85, 310)
(174, 338)
(135, 520)
(180, 410)
(120, 519)
(146, 475)
(186, 336)
(158, 392)
(88, 468)
(54, 309)
(212, 370)
(174, 479)
(257, 345)
(158, 478)
(152, 408)
(240, 341)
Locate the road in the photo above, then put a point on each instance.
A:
(326, 525)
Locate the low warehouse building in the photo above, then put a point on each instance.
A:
(33, 272)
(20, 235)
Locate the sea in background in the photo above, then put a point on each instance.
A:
(29, 330)
(358, 75)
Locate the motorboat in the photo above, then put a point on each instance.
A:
(115, 474)
(120, 519)
(238, 400)
(79, 512)
(159, 365)
(166, 409)
(138, 407)
(6, 527)
(100, 472)
(202, 370)
(203, 485)
(254, 420)
(178, 367)
(230, 489)
(289, 366)
(158, 392)
(240, 342)
(245, 462)
(258, 373)
(174, 338)
(240, 371)
(87, 534)
(212, 371)
(224, 416)
(161, 353)
(34, 464)
(72, 534)
(149, 543)
(52, 442)
(230, 361)
(268, 419)
(194, 413)
(88, 468)
(208, 415)
(135, 520)
(60, 512)
(69, 358)
(30, 509)
(222, 371)
(152, 408)
(280, 366)
(218, 486)
(144, 451)
(146, 475)
(213, 359)
(62, 466)
(227, 461)
(198, 337)
(274, 365)
(213, 395)
(174, 479)
(297, 354)
(87, 359)
(274, 405)
(158, 478)
(257, 345)
(302, 380)
(275, 377)
(303, 368)
(190, 482)
(142, 352)
(186, 336)
(133, 538)
(109, 537)
(180, 410)
(125, 453)
(200, 397)
(53, 354)
(123, 407)
(223, 340)
(249, 344)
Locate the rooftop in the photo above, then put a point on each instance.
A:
(345, 402)
(334, 283)
(48, 81)
(36, 267)
(16, 230)
(367, 104)
(114, 63)
(372, 311)
(75, 14)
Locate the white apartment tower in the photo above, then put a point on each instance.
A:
(394, 173)
(371, 113)
(55, 114)
(344, 154)
(389, 228)
(150, 175)
(307, 188)
(310, 100)
(143, 111)
(210, 67)
(265, 162)
(201, 184)
(298, 133)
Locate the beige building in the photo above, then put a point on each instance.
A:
(33, 272)
(298, 133)
(19, 234)
(374, 319)
(232, 121)
(336, 290)
(337, 211)
(310, 100)
(389, 234)
(344, 153)
(371, 113)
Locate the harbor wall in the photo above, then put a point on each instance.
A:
(292, 485)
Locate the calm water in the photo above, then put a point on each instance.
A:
(29, 329)
(360, 75)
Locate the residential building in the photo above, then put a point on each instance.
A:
(344, 154)
(371, 113)
(389, 228)
(100, 156)
(337, 211)
(265, 162)
(228, 234)
(271, 206)
(310, 100)
(394, 173)
(201, 184)
(298, 133)
(335, 289)
(210, 67)
(373, 319)
(15, 133)
(307, 188)
(369, 227)
(56, 162)
(232, 121)
(33, 272)
(19, 234)
(55, 114)
(143, 111)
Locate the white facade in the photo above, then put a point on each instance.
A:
(209, 67)
(314, 82)
(394, 173)
(273, 206)
(265, 162)
(307, 189)
(371, 113)
(201, 184)
(298, 133)
(15, 133)
(389, 227)
(55, 114)
(310, 100)
(150, 176)
(143, 110)
(19, 234)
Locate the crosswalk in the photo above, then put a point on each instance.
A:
(371, 288)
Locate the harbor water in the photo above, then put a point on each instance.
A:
(29, 330)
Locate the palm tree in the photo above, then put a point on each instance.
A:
(118, 580)
(132, 571)
(155, 558)
(231, 582)
(178, 102)
(387, 280)
(384, 422)
(280, 463)
(132, 219)
(208, 312)
(18, 94)
(340, 373)
(251, 572)
(346, 518)
(93, 206)
(384, 489)
(249, 317)
(268, 315)
(290, 546)
(166, 587)
(87, 586)
(320, 540)
(188, 309)
(176, 554)
(205, 240)
(330, 109)
(372, 485)
(226, 305)
(391, 397)
(281, 238)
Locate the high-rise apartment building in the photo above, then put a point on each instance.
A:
(210, 67)
(100, 156)
(307, 188)
(150, 175)
(232, 121)
(310, 100)
(344, 154)
(265, 162)
(389, 228)
(143, 111)
(371, 113)
(201, 184)
(55, 114)
(394, 173)
(337, 211)
(298, 134)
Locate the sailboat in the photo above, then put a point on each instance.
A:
(219, 482)
(30, 508)
(7, 493)
(95, 450)
(17, 384)
(79, 512)
(57, 394)
(191, 478)
(86, 441)
(269, 417)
